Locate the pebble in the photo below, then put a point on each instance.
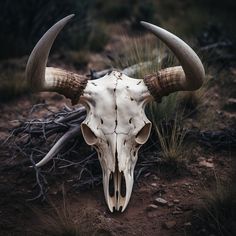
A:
(178, 209)
(153, 184)
(201, 159)
(210, 160)
(156, 178)
(187, 224)
(190, 191)
(169, 224)
(160, 201)
(176, 201)
(151, 207)
(170, 204)
(207, 164)
(162, 185)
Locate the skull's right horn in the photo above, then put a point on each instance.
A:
(188, 76)
(42, 78)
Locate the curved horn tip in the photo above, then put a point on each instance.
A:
(153, 28)
(69, 17)
(35, 68)
(147, 25)
(189, 60)
(143, 23)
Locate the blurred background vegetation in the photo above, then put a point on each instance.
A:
(23, 22)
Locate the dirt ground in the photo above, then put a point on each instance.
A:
(145, 214)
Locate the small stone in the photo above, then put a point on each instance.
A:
(15, 122)
(210, 160)
(176, 201)
(170, 204)
(153, 184)
(190, 191)
(151, 207)
(156, 178)
(206, 164)
(178, 209)
(201, 159)
(169, 224)
(187, 224)
(177, 212)
(3, 135)
(160, 201)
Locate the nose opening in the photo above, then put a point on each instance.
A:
(123, 185)
(111, 185)
(117, 187)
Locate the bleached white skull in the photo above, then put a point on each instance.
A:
(116, 124)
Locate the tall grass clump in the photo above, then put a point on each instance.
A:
(12, 79)
(59, 220)
(145, 52)
(148, 56)
(171, 136)
(217, 213)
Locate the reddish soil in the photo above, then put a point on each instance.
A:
(182, 192)
(88, 210)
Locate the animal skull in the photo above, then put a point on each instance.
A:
(116, 124)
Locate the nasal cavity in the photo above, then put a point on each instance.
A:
(123, 185)
(111, 185)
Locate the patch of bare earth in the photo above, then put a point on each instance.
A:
(161, 204)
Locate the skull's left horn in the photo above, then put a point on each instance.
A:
(188, 76)
(42, 78)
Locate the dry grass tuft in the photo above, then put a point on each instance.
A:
(59, 220)
(171, 140)
(12, 83)
(218, 211)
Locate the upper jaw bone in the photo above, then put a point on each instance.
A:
(122, 183)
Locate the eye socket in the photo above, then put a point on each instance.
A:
(143, 135)
(89, 137)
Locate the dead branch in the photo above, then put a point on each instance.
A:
(57, 136)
